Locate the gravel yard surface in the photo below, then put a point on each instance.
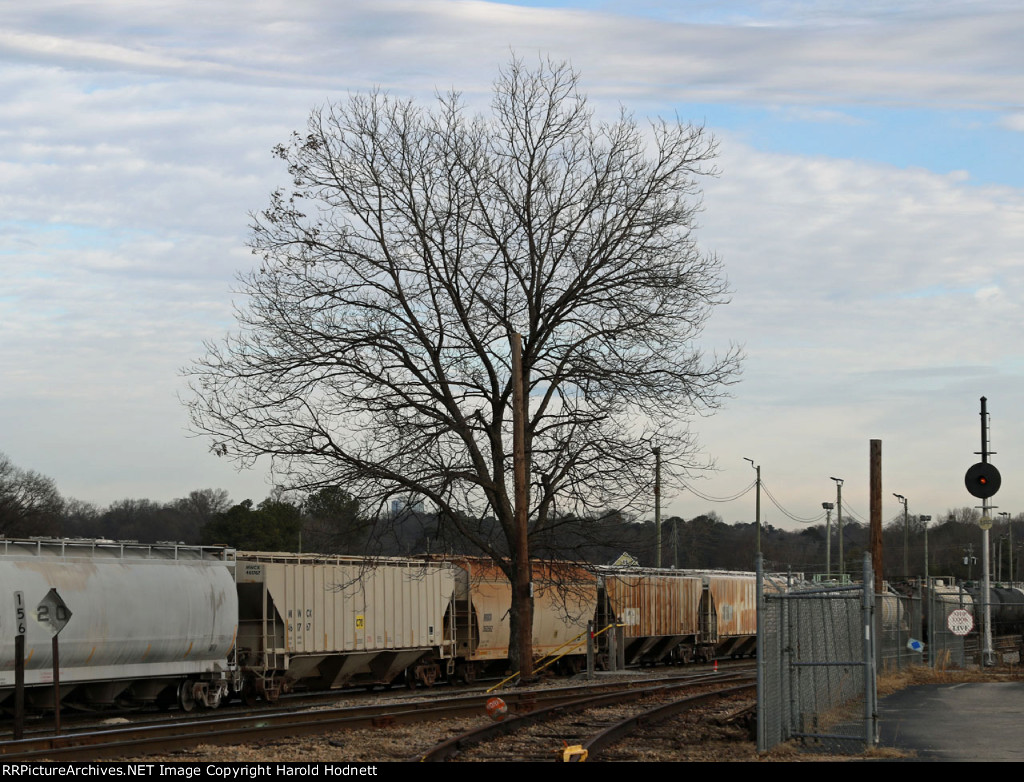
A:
(687, 739)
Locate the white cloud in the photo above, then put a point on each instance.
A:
(1014, 121)
(136, 139)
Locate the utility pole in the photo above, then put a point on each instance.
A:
(839, 524)
(675, 542)
(925, 520)
(523, 575)
(875, 493)
(757, 506)
(906, 534)
(969, 560)
(828, 539)
(657, 505)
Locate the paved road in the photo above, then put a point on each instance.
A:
(952, 722)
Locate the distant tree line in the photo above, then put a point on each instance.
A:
(330, 521)
(327, 520)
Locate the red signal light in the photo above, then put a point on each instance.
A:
(982, 480)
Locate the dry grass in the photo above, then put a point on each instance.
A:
(894, 681)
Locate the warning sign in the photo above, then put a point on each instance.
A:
(960, 622)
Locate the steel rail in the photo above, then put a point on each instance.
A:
(129, 741)
(615, 733)
(456, 744)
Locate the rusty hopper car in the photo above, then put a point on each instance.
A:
(565, 598)
(661, 613)
(676, 616)
(333, 621)
(147, 622)
(733, 598)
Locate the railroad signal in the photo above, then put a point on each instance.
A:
(982, 480)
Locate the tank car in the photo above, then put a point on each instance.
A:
(1006, 606)
(332, 621)
(147, 622)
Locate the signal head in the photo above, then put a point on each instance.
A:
(982, 480)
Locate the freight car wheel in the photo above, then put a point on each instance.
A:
(186, 698)
(249, 695)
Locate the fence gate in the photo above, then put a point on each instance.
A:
(816, 664)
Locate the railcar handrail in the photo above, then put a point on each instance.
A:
(115, 549)
(574, 643)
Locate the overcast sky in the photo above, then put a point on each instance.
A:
(869, 215)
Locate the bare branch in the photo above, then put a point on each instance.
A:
(373, 350)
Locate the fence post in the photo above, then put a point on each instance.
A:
(870, 692)
(762, 660)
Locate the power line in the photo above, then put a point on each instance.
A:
(786, 513)
(720, 499)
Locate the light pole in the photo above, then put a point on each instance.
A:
(925, 520)
(906, 534)
(1006, 520)
(757, 506)
(839, 523)
(828, 506)
(970, 560)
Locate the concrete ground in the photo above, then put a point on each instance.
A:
(954, 722)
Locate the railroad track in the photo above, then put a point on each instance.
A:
(40, 726)
(587, 726)
(142, 739)
(1001, 644)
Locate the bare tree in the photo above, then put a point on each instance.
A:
(374, 351)
(29, 502)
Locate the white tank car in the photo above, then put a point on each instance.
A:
(147, 622)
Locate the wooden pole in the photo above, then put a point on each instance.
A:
(657, 506)
(876, 512)
(523, 586)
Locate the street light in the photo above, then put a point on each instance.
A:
(839, 523)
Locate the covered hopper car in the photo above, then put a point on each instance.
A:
(337, 621)
(564, 598)
(677, 616)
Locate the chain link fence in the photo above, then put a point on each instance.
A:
(816, 664)
(948, 649)
(955, 637)
(901, 632)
